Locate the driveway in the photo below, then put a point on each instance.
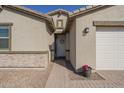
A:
(57, 75)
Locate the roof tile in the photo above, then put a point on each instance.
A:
(89, 6)
(76, 11)
(83, 8)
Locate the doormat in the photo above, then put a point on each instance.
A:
(78, 76)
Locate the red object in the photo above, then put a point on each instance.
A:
(85, 67)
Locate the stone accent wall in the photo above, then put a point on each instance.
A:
(23, 60)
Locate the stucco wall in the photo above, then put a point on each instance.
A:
(73, 44)
(28, 33)
(86, 44)
(56, 17)
(51, 41)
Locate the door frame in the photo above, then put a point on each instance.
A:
(55, 38)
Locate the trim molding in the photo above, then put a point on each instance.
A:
(109, 23)
(58, 11)
(10, 35)
(36, 14)
(6, 24)
(57, 24)
(24, 52)
(28, 11)
(89, 9)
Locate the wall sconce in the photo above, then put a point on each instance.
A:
(87, 30)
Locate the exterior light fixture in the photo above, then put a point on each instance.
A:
(87, 30)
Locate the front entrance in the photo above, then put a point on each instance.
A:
(59, 46)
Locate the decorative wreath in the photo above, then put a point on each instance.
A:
(62, 41)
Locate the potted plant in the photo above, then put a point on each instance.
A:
(87, 70)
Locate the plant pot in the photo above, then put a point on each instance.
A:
(87, 73)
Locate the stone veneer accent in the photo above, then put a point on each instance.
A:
(23, 60)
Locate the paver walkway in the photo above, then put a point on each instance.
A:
(59, 78)
(57, 75)
(24, 77)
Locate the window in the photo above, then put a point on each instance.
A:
(59, 23)
(4, 37)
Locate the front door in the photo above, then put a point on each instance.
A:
(60, 46)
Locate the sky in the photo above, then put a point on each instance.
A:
(48, 8)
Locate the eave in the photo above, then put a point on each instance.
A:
(58, 11)
(28, 11)
(84, 11)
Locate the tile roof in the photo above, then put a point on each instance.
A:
(58, 11)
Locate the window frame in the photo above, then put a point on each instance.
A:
(57, 24)
(7, 38)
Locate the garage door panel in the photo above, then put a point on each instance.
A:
(110, 48)
(121, 65)
(105, 66)
(104, 44)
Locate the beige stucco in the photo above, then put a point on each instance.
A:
(56, 17)
(51, 41)
(59, 17)
(73, 44)
(86, 43)
(28, 34)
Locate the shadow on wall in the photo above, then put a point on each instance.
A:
(65, 64)
(48, 30)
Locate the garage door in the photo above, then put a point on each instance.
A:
(110, 48)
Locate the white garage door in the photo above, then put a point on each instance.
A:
(110, 48)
